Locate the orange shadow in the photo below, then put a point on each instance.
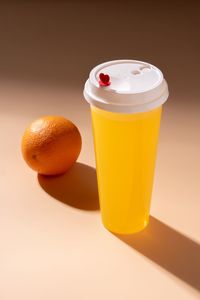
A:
(168, 248)
(77, 187)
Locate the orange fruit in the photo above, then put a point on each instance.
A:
(51, 145)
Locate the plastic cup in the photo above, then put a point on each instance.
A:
(126, 120)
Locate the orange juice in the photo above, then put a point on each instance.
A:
(125, 149)
(126, 99)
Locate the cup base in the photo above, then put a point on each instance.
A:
(129, 231)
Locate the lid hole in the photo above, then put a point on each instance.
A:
(135, 72)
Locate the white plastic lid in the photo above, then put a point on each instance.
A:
(135, 86)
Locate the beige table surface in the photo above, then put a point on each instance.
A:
(52, 242)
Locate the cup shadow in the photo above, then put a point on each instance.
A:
(168, 248)
(77, 187)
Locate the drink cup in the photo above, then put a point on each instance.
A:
(126, 112)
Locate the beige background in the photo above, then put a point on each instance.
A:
(52, 244)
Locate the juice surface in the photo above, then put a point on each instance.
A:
(125, 149)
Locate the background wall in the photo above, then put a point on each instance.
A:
(59, 41)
